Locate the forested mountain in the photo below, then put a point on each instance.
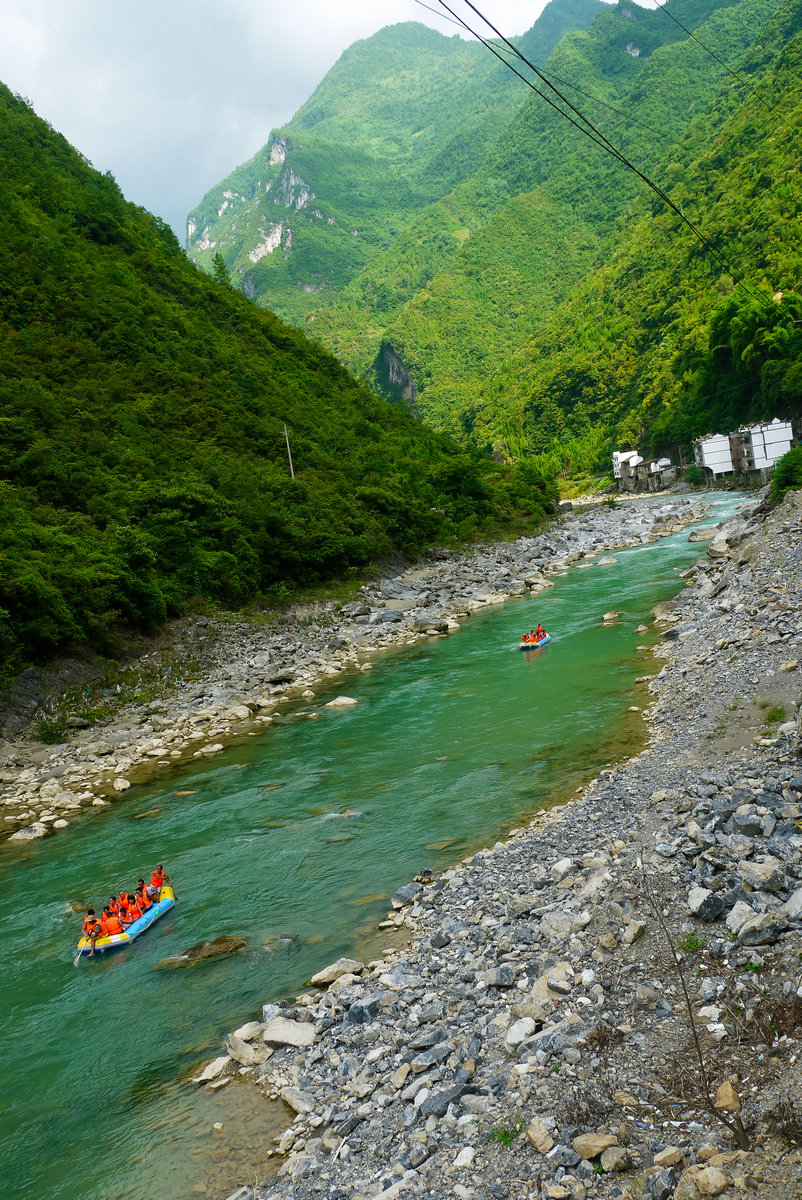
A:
(143, 407)
(548, 303)
(398, 122)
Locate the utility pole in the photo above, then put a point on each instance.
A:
(289, 456)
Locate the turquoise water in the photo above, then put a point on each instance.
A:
(304, 830)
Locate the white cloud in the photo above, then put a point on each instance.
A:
(171, 95)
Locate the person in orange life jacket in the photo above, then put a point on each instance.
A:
(112, 922)
(157, 881)
(141, 897)
(92, 928)
(539, 633)
(89, 922)
(134, 911)
(113, 904)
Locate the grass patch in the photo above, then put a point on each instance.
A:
(505, 1134)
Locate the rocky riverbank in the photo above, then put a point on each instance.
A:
(608, 1003)
(251, 669)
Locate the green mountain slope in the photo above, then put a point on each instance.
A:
(142, 425)
(500, 309)
(401, 118)
(660, 344)
(546, 200)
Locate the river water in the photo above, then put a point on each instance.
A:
(304, 830)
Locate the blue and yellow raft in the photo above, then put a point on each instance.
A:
(535, 645)
(116, 941)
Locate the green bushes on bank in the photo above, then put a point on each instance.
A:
(787, 475)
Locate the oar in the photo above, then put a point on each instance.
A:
(77, 958)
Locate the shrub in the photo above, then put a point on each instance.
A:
(787, 473)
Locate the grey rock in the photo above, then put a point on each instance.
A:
(762, 928)
(437, 1104)
(366, 1010)
(284, 1032)
(705, 904)
(406, 894)
(502, 977)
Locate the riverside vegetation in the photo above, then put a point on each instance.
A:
(543, 302)
(538, 1038)
(143, 462)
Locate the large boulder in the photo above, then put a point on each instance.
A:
(343, 966)
(282, 1031)
(30, 832)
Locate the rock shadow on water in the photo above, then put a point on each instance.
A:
(206, 951)
(546, 753)
(374, 898)
(278, 942)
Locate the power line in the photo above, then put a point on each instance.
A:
(566, 83)
(752, 91)
(589, 130)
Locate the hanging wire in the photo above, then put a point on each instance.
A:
(586, 126)
(566, 83)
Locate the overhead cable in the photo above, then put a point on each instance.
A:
(566, 83)
(595, 135)
(752, 91)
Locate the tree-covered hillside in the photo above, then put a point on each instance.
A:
(548, 303)
(400, 120)
(662, 343)
(143, 405)
(545, 210)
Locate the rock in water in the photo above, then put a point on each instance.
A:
(201, 951)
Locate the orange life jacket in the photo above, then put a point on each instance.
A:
(89, 925)
(113, 925)
(134, 912)
(157, 878)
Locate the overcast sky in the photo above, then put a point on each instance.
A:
(171, 95)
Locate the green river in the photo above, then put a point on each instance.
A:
(303, 830)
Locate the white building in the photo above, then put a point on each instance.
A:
(713, 453)
(656, 465)
(627, 458)
(764, 443)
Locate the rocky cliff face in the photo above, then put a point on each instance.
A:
(396, 375)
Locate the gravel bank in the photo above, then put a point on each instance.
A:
(534, 1039)
(251, 669)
